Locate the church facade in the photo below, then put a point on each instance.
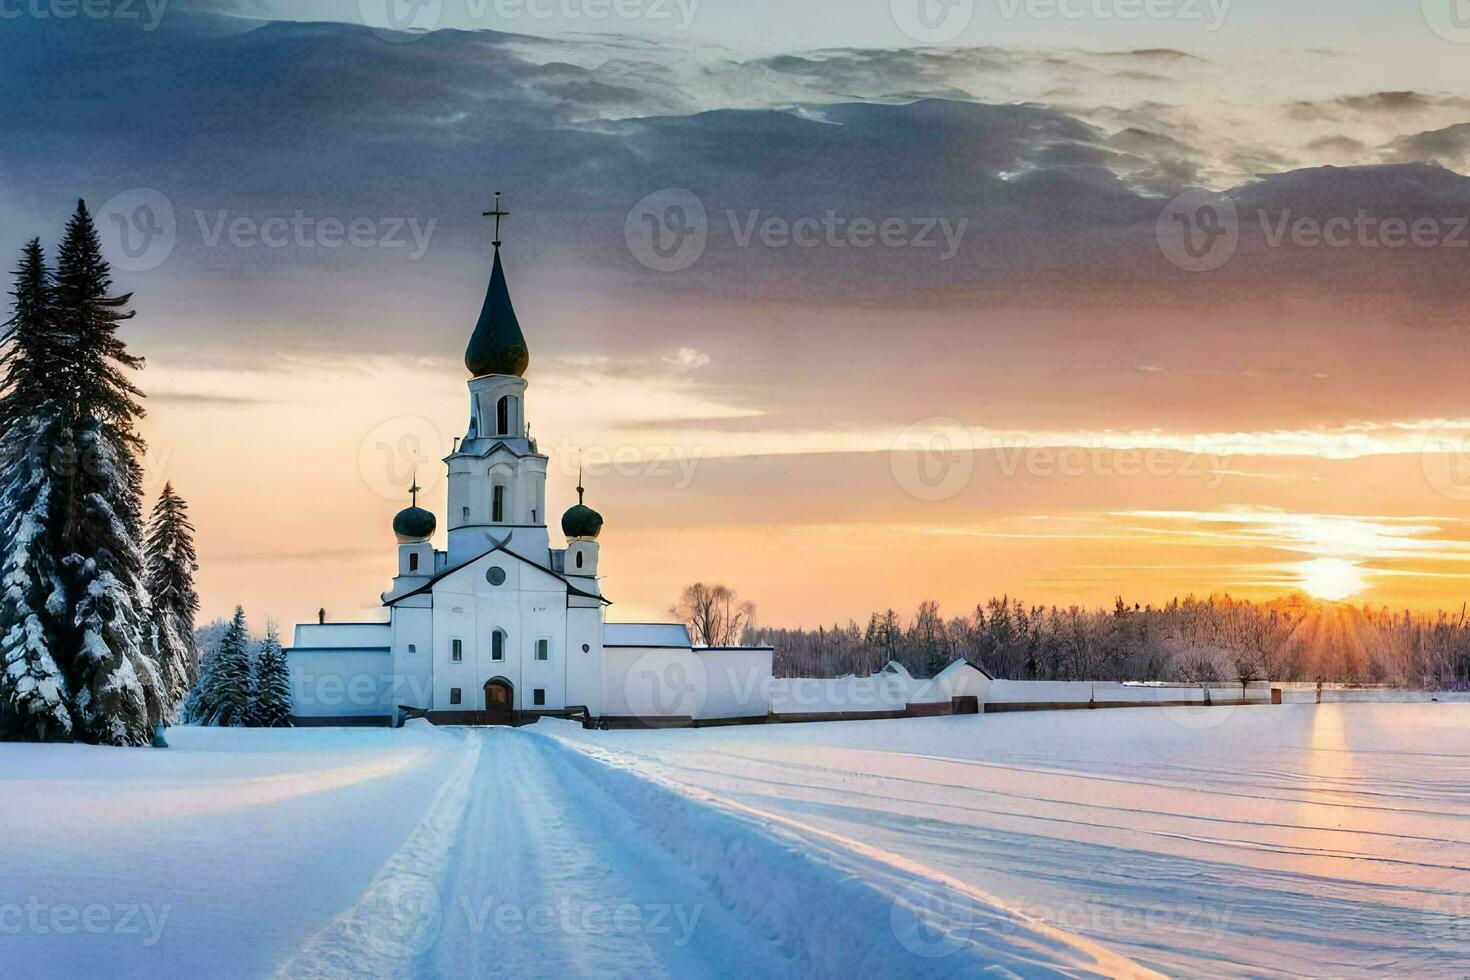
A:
(500, 626)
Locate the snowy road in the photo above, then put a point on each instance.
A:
(536, 859)
(550, 877)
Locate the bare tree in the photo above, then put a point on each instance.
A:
(714, 614)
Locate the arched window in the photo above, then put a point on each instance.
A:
(413, 562)
(502, 416)
(579, 559)
(497, 645)
(497, 505)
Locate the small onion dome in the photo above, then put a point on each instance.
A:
(413, 524)
(581, 521)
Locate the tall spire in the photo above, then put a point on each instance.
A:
(497, 346)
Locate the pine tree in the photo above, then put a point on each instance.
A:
(34, 698)
(116, 682)
(272, 688)
(225, 692)
(171, 564)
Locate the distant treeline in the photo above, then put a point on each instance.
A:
(1189, 640)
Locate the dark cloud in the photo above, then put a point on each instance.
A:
(1057, 279)
(1449, 146)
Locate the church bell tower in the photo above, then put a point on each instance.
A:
(497, 479)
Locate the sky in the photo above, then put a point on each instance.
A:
(843, 306)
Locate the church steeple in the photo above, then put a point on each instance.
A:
(497, 346)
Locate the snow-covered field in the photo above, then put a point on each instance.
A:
(1327, 840)
(1321, 841)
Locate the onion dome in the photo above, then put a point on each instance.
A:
(414, 524)
(497, 346)
(581, 521)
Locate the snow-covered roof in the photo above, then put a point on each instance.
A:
(645, 635)
(343, 636)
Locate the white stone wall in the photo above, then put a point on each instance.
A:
(529, 605)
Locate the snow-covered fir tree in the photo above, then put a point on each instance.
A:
(272, 688)
(171, 564)
(115, 681)
(34, 697)
(224, 693)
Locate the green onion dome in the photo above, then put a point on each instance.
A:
(497, 346)
(413, 524)
(581, 521)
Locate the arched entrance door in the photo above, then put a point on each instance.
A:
(499, 703)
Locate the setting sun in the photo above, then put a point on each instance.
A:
(1331, 578)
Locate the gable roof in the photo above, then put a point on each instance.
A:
(429, 585)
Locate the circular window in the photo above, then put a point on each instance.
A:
(496, 575)
(586, 648)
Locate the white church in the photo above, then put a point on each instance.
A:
(501, 627)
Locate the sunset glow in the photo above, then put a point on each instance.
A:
(1331, 579)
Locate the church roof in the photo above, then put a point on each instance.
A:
(429, 585)
(497, 346)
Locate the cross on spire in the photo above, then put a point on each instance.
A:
(414, 490)
(580, 491)
(497, 214)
